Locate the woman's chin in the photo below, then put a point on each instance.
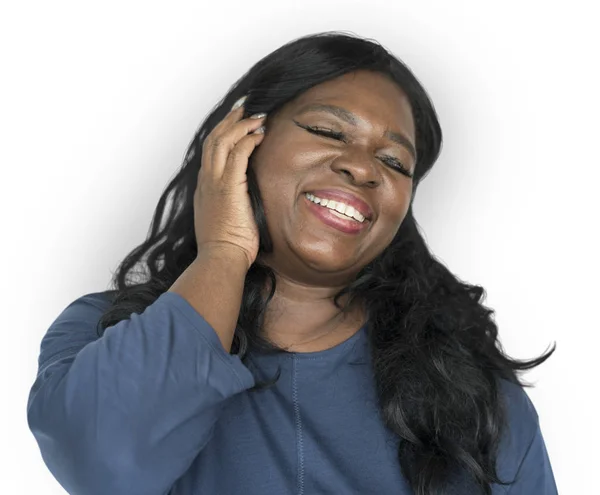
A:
(326, 260)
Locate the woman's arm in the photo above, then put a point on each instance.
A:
(127, 413)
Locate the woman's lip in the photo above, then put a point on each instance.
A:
(327, 217)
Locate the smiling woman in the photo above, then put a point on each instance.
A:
(293, 333)
(366, 108)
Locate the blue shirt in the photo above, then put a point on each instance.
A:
(156, 406)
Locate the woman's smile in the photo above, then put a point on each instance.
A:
(335, 219)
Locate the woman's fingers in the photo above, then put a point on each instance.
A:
(222, 139)
(223, 144)
(236, 165)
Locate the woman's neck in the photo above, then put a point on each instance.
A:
(305, 319)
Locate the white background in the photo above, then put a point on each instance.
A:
(99, 101)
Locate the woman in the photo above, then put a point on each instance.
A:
(294, 333)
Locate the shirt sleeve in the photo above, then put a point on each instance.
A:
(128, 413)
(535, 476)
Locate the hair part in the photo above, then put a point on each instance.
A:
(437, 360)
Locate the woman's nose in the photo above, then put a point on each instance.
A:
(359, 166)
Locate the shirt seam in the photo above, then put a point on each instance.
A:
(298, 421)
(70, 352)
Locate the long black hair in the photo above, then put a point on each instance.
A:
(436, 357)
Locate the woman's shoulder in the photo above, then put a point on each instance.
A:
(521, 429)
(520, 411)
(73, 327)
(83, 310)
(93, 301)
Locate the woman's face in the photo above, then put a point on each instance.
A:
(308, 239)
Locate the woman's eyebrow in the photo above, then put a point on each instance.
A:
(351, 119)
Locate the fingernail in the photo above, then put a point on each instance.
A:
(239, 103)
(260, 130)
(258, 116)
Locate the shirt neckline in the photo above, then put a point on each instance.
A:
(336, 350)
(339, 351)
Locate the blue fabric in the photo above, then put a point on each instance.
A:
(157, 406)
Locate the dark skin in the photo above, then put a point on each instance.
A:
(311, 260)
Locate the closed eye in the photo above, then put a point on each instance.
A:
(388, 160)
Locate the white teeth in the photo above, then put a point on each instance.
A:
(337, 206)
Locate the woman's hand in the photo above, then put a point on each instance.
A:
(223, 216)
